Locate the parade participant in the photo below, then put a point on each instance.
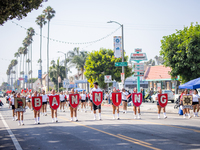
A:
(83, 101)
(159, 107)
(124, 100)
(136, 109)
(36, 113)
(62, 101)
(113, 106)
(185, 110)
(96, 89)
(195, 102)
(13, 106)
(53, 112)
(73, 111)
(20, 113)
(67, 97)
(44, 103)
(90, 102)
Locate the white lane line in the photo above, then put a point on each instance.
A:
(16, 143)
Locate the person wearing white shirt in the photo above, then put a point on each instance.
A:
(159, 107)
(53, 112)
(124, 100)
(44, 103)
(83, 101)
(113, 106)
(96, 89)
(195, 103)
(136, 109)
(62, 101)
(186, 111)
(73, 111)
(67, 97)
(13, 106)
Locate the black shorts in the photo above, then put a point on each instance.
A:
(29, 101)
(90, 100)
(96, 107)
(195, 103)
(44, 103)
(157, 103)
(13, 106)
(82, 101)
(124, 100)
(62, 101)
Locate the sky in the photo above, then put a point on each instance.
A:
(76, 21)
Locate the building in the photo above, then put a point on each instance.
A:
(159, 77)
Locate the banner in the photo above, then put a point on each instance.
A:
(187, 101)
(20, 103)
(37, 102)
(137, 99)
(54, 101)
(116, 98)
(117, 47)
(97, 98)
(162, 99)
(74, 100)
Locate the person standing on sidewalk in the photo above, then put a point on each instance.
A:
(159, 107)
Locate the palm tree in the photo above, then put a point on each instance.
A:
(40, 20)
(17, 55)
(55, 71)
(31, 33)
(77, 59)
(13, 63)
(49, 13)
(25, 50)
(20, 51)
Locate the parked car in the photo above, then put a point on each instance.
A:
(1, 94)
(169, 93)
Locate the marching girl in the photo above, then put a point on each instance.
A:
(67, 97)
(36, 113)
(96, 89)
(73, 111)
(136, 109)
(20, 113)
(44, 103)
(53, 112)
(124, 100)
(13, 106)
(195, 103)
(62, 101)
(185, 110)
(113, 106)
(83, 101)
(159, 107)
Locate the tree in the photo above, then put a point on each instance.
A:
(150, 62)
(17, 55)
(55, 71)
(40, 20)
(159, 60)
(17, 9)
(181, 52)
(102, 62)
(49, 13)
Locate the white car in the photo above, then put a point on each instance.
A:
(169, 93)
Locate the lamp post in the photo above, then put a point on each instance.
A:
(122, 44)
(64, 62)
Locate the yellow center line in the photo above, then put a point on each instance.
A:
(132, 140)
(194, 130)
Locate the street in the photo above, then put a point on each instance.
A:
(88, 134)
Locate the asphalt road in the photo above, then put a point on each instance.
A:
(172, 133)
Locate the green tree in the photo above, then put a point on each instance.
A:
(181, 52)
(55, 71)
(102, 62)
(49, 13)
(16, 9)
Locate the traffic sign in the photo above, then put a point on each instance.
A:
(138, 56)
(118, 64)
(40, 74)
(107, 78)
(26, 78)
(18, 82)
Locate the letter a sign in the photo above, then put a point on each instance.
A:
(37, 102)
(54, 101)
(137, 99)
(162, 100)
(74, 100)
(97, 98)
(116, 98)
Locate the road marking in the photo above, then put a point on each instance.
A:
(16, 143)
(198, 131)
(129, 139)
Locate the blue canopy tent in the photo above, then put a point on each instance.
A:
(193, 84)
(79, 89)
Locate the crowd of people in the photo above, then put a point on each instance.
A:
(85, 103)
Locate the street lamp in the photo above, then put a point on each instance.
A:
(122, 44)
(64, 62)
